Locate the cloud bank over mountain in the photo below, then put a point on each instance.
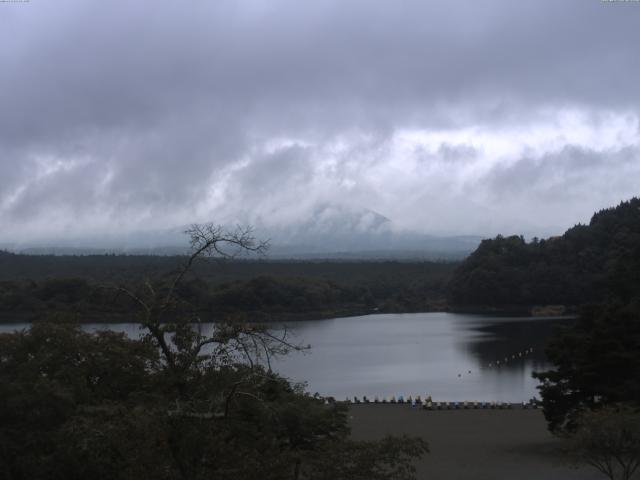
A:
(471, 117)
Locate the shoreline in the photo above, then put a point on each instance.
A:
(7, 318)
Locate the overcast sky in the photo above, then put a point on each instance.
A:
(446, 117)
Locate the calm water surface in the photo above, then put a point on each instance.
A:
(451, 357)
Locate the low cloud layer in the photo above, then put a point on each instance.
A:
(466, 117)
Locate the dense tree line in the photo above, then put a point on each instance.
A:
(268, 295)
(262, 290)
(589, 263)
(118, 268)
(596, 363)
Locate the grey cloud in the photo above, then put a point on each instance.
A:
(450, 153)
(115, 64)
(268, 183)
(568, 185)
(572, 168)
(149, 107)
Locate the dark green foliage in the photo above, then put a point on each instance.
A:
(609, 440)
(261, 290)
(597, 362)
(589, 263)
(75, 405)
(50, 375)
(118, 268)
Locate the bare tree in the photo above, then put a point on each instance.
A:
(180, 336)
(609, 440)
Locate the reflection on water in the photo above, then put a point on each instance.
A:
(449, 356)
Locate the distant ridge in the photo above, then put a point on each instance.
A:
(588, 264)
(332, 231)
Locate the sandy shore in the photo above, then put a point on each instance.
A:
(473, 444)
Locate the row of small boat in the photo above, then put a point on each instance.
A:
(477, 405)
(428, 404)
(417, 400)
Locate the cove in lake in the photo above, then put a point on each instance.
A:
(445, 355)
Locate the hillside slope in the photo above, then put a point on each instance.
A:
(589, 263)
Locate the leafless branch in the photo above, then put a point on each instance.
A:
(210, 240)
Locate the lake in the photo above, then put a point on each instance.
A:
(452, 357)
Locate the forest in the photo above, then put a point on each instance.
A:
(588, 264)
(32, 286)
